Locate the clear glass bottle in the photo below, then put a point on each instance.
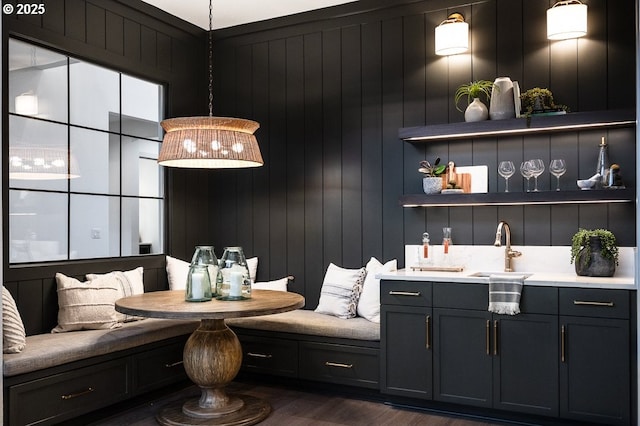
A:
(446, 239)
(198, 284)
(206, 256)
(603, 165)
(234, 282)
(424, 253)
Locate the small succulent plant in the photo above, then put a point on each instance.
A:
(432, 170)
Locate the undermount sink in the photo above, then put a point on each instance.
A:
(485, 274)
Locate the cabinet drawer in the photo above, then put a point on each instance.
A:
(269, 355)
(461, 296)
(534, 300)
(595, 302)
(408, 293)
(347, 365)
(158, 367)
(62, 396)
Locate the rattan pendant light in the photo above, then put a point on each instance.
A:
(210, 142)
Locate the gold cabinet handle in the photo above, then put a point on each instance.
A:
(562, 343)
(404, 293)
(174, 364)
(255, 355)
(495, 337)
(77, 394)
(428, 324)
(591, 303)
(487, 332)
(338, 364)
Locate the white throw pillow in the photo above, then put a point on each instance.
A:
(177, 273)
(252, 264)
(340, 291)
(13, 335)
(369, 303)
(87, 306)
(129, 283)
(279, 285)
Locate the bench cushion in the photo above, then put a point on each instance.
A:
(49, 350)
(303, 321)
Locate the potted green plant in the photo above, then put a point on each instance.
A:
(538, 101)
(476, 110)
(432, 176)
(595, 252)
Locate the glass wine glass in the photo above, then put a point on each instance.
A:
(526, 173)
(557, 168)
(536, 166)
(506, 169)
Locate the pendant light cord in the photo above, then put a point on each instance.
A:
(210, 58)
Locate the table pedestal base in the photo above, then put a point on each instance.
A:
(212, 358)
(253, 411)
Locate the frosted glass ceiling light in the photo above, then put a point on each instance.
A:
(567, 19)
(452, 36)
(210, 142)
(27, 104)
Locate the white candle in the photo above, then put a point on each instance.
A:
(236, 284)
(197, 290)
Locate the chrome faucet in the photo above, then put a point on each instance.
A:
(508, 253)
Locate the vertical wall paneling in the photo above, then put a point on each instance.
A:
(261, 183)
(238, 77)
(131, 40)
(53, 20)
(392, 161)
(277, 164)
(332, 147)
(351, 94)
(115, 35)
(75, 19)
(535, 46)
(414, 59)
(314, 265)
(509, 36)
(96, 30)
(592, 53)
(371, 141)
(295, 165)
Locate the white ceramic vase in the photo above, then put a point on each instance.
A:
(432, 185)
(476, 111)
(502, 104)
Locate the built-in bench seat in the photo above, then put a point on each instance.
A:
(311, 323)
(68, 374)
(308, 345)
(54, 349)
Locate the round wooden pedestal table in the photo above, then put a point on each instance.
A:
(212, 355)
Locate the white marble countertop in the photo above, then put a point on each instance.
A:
(537, 279)
(543, 266)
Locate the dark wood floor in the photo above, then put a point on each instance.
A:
(294, 406)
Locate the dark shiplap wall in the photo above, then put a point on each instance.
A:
(134, 38)
(330, 89)
(331, 94)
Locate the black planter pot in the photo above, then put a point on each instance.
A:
(598, 265)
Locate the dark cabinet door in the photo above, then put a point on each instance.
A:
(462, 356)
(525, 363)
(406, 351)
(595, 370)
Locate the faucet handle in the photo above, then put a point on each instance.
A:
(514, 253)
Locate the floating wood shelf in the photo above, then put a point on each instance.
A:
(627, 195)
(570, 122)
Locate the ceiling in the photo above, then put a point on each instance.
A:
(229, 13)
